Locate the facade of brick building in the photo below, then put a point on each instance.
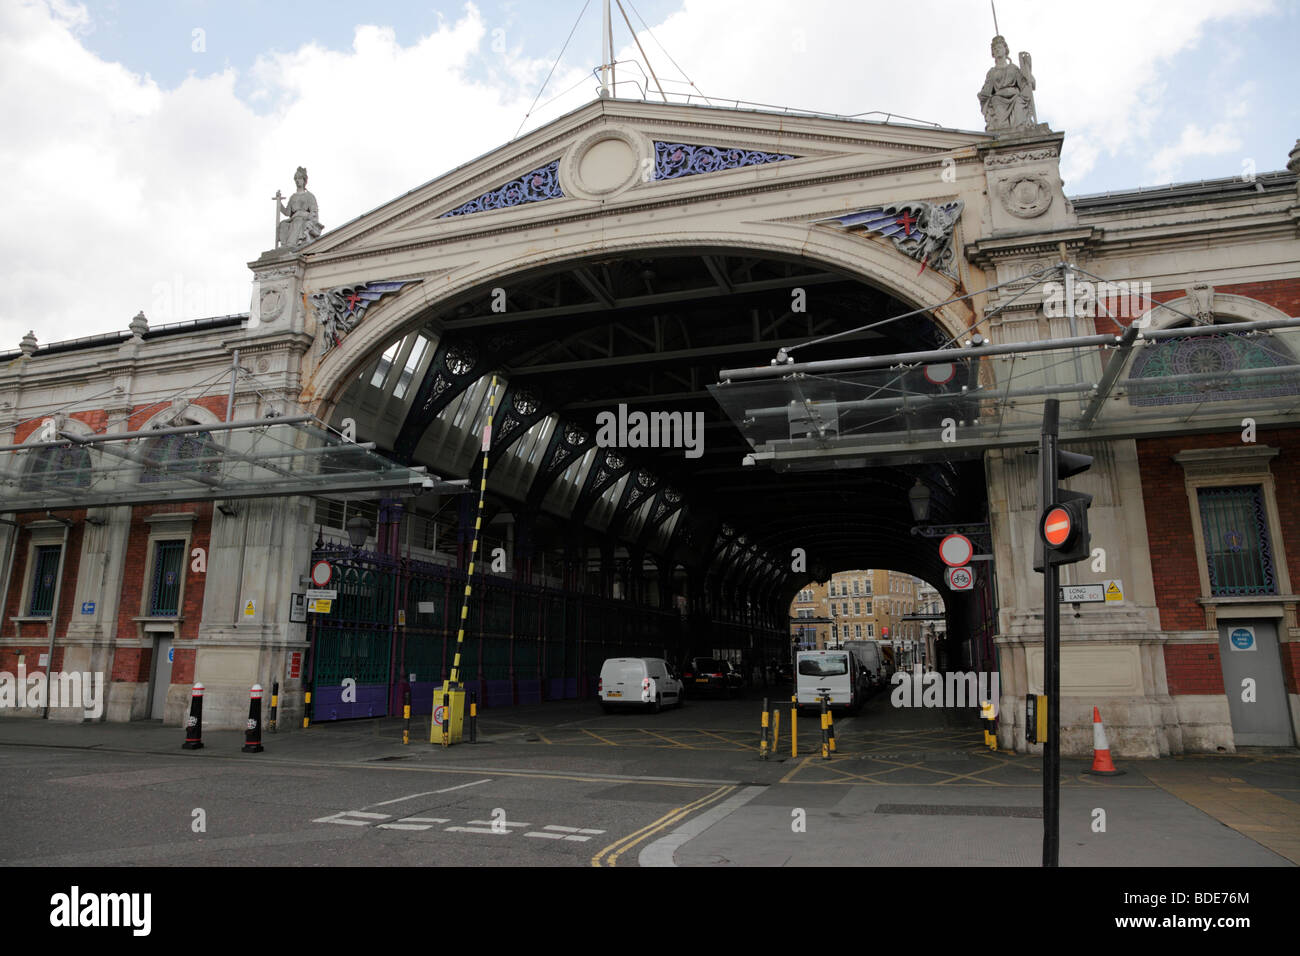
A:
(208, 586)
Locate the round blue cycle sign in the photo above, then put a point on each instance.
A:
(1243, 639)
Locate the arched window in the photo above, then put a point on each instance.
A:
(183, 455)
(51, 468)
(1208, 368)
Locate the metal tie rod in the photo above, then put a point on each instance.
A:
(933, 356)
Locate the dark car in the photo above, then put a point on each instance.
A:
(707, 675)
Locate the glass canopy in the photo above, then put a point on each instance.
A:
(288, 455)
(954, 403)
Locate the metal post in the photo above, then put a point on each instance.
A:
(826, 741)
(1051, 646)
(275, 705)
(794, 725)
(234, 377)
(406, 714)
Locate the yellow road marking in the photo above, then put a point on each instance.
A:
(676, 743)
(599, 737)
(725, 740)
(618, 847)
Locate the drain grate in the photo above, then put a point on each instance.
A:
(959, 810)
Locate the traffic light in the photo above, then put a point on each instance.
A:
(1063, 528)
(1061, 536)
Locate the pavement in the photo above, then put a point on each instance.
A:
(905, 788)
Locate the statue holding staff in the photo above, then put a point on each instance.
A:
(303, 223)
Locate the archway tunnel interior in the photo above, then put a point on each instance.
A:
(619, 517)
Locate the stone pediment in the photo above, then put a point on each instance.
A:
(616, 157)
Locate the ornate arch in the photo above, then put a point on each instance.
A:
(874, 263)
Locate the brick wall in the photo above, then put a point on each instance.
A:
(1174, 560)
(141, 414)
(135, 588)
(131, 664)
(15, 602)
(1193, 669)
(1291, 666)
(1281, 294)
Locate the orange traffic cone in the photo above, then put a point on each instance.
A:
(1102, 765)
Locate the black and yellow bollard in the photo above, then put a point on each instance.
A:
(826, 740)
(776, 729)
(253, 733)
(830, 727)
(275, 704)
(406, 714)
(990, 730)
(194, 723)
(473, 716)
(762, 734)
(446, 720)
(306, 710)
(794, 725)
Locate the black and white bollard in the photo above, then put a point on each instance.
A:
(194, 723)
(253, 735)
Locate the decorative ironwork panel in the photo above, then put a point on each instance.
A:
(675, 160)
(533, 186)
(1204, 369)
(44, 580)
(352, 641)
(1237, 546)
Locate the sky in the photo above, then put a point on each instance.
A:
(144, 140)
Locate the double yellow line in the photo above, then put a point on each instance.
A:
(611, 853)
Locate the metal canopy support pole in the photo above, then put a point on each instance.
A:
(54, 618)
(1051, 645)
(234, 377)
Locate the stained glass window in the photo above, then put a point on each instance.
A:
(180, 455)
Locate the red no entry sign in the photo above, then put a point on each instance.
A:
(956, 550)
(1056, 527)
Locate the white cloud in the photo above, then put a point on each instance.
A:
(118, 190)
(1194, 141)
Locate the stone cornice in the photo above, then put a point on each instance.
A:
(986, 252)
(1232, 460)
(542, 217)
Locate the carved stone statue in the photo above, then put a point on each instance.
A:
(1007, 97)
(302, 226)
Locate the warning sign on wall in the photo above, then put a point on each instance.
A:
(250, 608)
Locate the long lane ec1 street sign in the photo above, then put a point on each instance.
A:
(1083, 594)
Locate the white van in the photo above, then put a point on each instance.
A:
(827, 672)
(638, 681)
